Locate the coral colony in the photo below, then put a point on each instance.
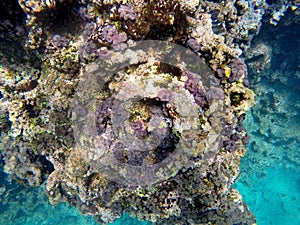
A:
(129, 106)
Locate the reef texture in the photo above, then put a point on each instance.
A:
(273, 122)
(275, 78)
(48, 48)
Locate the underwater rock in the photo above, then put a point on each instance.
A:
(274, 120)
(258, 58)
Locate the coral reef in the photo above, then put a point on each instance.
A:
(272, 160)
(280, 8)
(258, 58)
(22, 205)
(275, 79)
(115, 126)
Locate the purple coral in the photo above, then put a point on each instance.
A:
(127, 12)
(103, 53)
(59, 41)
(165, 95)
(200, 98)
(90, 51)
(102, 115)
(239, 126)
(227, 131)
(216, 93)
(235, 137)
(108, 33)
(230, 145)
(91, 32)
(136, 158)
(220, 73)
(119, 47)
(138, 128)
(246, 139)
(166, 147)
(118, 151)
(119, 38)
(191, 84)
(111, 35)
(122, 154)
(194, 45)
(158, 130)
(238, 69)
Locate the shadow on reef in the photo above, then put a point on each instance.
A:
(275, 78)
(13, 33)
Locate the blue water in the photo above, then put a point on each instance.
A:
(270, 171)
(275, 197)
(30, 206)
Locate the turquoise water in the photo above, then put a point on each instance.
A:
(275, 197)
(30, 206)
(270, 178)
